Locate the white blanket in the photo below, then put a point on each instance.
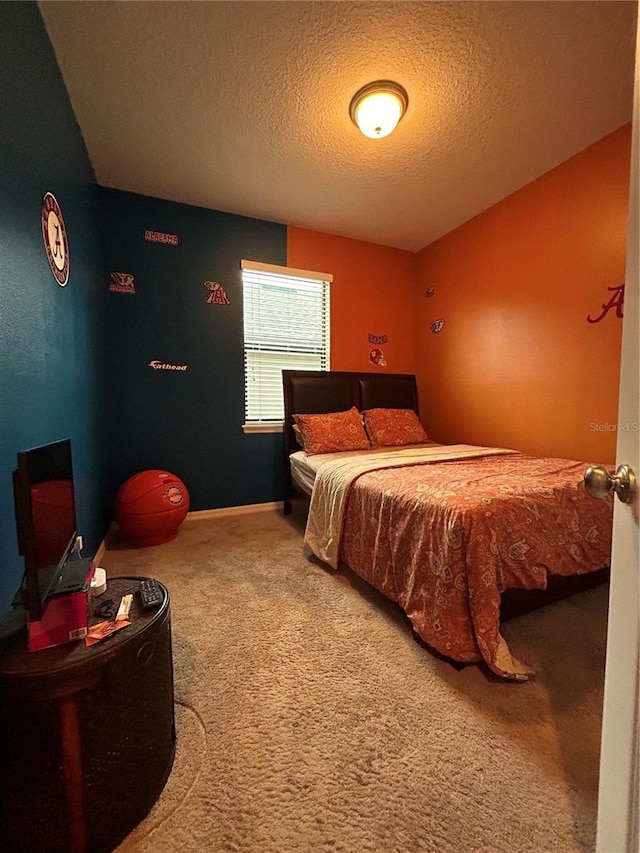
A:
(334, 476)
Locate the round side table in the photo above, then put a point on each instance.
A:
(87, 734)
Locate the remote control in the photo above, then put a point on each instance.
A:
(151, 593)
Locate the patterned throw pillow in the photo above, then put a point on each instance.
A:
(332, 432)
(393, 427)
(298, 435)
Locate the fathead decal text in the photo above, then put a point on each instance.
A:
(159, 237)
(160, 365)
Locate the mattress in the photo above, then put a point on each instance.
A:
(304, 468)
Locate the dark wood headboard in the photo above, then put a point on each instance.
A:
(311, 392)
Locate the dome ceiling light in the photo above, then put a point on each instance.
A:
(378, 107)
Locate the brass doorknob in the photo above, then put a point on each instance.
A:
(599, 482)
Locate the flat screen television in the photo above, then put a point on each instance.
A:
(46, 524)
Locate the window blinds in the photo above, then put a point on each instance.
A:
(286, 327)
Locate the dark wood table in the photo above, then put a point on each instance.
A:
(87, 734)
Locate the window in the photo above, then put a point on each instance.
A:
(286, 327)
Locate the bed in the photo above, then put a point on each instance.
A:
(461, 537)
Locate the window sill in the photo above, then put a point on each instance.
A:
(264, 426)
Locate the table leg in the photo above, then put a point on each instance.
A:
(73, 773)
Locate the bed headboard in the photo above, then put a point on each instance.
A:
(309, 392)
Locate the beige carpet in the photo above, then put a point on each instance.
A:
(310, 719)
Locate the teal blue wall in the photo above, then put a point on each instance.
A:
(48, 334)
(75, 359)
(188, 422)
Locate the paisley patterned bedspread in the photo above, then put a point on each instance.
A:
(445, 538)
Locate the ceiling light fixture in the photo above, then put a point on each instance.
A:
(378, 107)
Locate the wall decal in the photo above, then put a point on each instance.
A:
(159, 237)
(377, 339)
(122, 282)
(54, 235)
(159, 365)
(436, 326)
(217, 295)
(430, 291)
(376, 356)
(616, 301)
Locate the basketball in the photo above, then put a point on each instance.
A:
(151, 506)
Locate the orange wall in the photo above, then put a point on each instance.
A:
(374, 291)
(516, 363)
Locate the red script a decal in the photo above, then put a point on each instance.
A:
(616, 301)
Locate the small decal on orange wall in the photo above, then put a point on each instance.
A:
(616, 301)
(430, 291)
(377, 339)
(436, 326)
(376, 356)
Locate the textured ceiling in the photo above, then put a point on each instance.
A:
(244, 106)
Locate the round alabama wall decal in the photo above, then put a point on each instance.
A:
(54, 235)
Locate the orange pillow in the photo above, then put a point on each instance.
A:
(392, 427)
(332, 432)
(298, 435)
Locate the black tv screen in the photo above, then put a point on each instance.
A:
(45, 518)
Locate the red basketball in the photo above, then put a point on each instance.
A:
(151, 506)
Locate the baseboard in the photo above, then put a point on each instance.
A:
(203, 514)
(199, 515)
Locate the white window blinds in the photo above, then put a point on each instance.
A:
(286, 327)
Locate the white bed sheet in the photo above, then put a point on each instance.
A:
(304, 468)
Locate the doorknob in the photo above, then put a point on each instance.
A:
(599, 482)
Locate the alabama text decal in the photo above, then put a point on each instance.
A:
(160, 237)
